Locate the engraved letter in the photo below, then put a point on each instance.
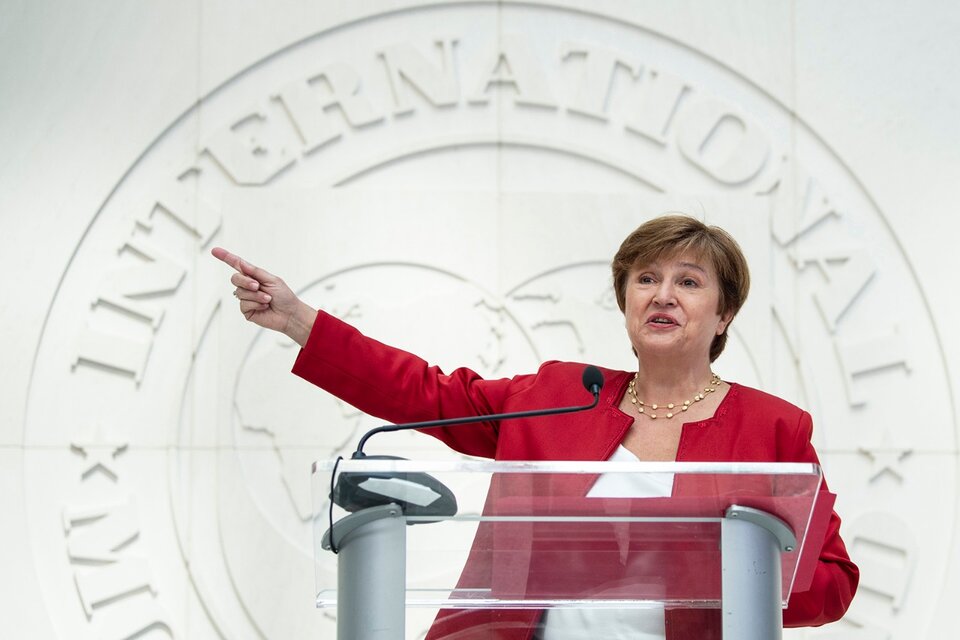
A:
(864, 354)
(115, 590)
(308, 102)
(112, 352)
(515, 64)
(95, 538)
(122, 290)
(137, 616)
(799, 204)
(845, 283)
(406, 66)
(249, 150)
(596, 81)
(886, 551)
(180, 200)
(653, 104)
(157, 275)
(720, 141)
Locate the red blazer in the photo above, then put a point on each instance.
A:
(748, 426)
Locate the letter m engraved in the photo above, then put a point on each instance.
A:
(96, 539)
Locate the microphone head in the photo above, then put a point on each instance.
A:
(592, 379)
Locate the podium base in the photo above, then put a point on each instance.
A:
(371, 573)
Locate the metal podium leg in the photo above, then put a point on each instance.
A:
(371, 574)
(751, 542)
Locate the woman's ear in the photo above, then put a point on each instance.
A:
(724, 322)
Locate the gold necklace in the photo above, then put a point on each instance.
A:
(641, 405)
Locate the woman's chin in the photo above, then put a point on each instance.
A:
(662, 346)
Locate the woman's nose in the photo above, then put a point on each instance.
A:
(664, 294)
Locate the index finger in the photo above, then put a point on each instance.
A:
(225, 256)
(240, 264)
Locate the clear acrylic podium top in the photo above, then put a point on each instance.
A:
(577, 534)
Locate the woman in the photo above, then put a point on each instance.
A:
(679, 284)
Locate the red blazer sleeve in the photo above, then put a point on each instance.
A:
(398, 387)
(836, 577)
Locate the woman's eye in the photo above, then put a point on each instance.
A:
(645, 279)
(688, 282)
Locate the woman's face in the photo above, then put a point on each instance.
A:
(672, 308)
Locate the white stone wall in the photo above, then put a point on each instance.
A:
(453, 178)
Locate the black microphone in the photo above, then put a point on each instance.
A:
(419, 494)
(592, 382)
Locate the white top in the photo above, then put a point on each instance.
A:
(612, 624)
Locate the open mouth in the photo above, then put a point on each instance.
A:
(661, 321)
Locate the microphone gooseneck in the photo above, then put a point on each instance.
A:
(420, 494)
(592, 382)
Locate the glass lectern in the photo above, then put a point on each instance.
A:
(533, 536)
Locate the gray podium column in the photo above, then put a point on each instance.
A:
(371, 574)
(751, 542)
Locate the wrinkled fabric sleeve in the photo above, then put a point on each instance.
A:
(398, 387)
(836, 576)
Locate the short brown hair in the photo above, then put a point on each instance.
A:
(673, 235)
